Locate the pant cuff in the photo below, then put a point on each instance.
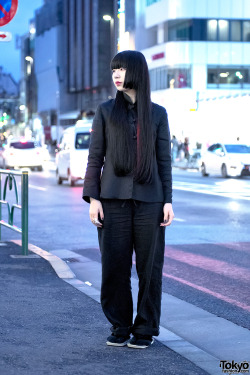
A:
(147, 331)
(121, 331)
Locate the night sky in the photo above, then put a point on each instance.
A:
(9, 55)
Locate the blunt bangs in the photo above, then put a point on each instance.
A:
(136, 67)
(119, 61)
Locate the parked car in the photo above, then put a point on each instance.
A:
(72, 153)
(21, 153)
(229, 159)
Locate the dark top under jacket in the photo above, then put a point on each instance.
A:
(103, 183)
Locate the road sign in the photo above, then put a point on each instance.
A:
(5, 36)
(8, 10)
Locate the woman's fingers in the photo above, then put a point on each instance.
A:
(168, 215)
(95, 211)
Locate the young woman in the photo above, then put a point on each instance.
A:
(129, 186)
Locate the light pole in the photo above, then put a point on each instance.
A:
(113, 47)
(110, 19)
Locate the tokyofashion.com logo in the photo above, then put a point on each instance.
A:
(235, 367)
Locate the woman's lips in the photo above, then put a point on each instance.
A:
(118, 83)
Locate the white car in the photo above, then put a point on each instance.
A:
(72, 154)
(227, 159)
(21, 153)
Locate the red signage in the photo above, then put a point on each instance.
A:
(8, 10)
(5, 36)
(158, 56)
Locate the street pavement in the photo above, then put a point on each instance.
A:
(51, 318)
(50, 327)
(52, 323)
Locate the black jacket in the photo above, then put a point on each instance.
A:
(104, 183)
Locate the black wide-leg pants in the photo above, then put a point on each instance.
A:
(132, 225)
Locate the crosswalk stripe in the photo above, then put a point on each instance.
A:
(209, 264)
(208, 291)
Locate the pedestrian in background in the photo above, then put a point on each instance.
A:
(186, 148)
(129, 186)
(174, 148)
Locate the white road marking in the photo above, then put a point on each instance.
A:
(239, 192)
(37, 187)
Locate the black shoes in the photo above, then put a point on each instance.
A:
(137, 341)
(117, 340)
(140, 342)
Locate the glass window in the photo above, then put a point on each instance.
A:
(152, 74)
(164, 78)
(237, 149)
(179, 30)
(199, 29)
(224, 77)
(22, 145)
(231, 76)
(246, 31)
(236, 31)
(179, 78)
(223, 30)
(82, 141)
(212, 29)
(212, 148)
(150, 2)
(213, 76)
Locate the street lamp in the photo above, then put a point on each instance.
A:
(107, 17)
(29, 58)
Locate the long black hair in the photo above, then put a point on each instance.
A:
(122, 148)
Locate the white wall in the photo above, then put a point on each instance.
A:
(172, 9)
(195, 52)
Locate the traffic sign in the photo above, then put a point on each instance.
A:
(5, 36)
(8, 10)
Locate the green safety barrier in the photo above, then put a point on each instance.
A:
(9, 183)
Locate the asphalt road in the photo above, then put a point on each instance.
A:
(207, 256)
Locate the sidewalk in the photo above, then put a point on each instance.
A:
(50, 327)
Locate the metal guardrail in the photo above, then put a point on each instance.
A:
(9, 183)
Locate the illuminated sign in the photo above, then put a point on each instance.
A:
(158, 56)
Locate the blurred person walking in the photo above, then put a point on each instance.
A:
(174, 148)
(128, 183)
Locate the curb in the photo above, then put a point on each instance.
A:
(61, 268)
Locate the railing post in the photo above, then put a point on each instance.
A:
(25, 184)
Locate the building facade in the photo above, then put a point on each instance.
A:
(9, 101)
(72, 53)
(198, 52)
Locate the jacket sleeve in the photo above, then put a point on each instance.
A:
(163, 155)
(97, 149)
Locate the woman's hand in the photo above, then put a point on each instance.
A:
(96, 211)
(168, 215)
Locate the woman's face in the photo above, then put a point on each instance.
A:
(118, 76)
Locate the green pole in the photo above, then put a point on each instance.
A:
(25, 189)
